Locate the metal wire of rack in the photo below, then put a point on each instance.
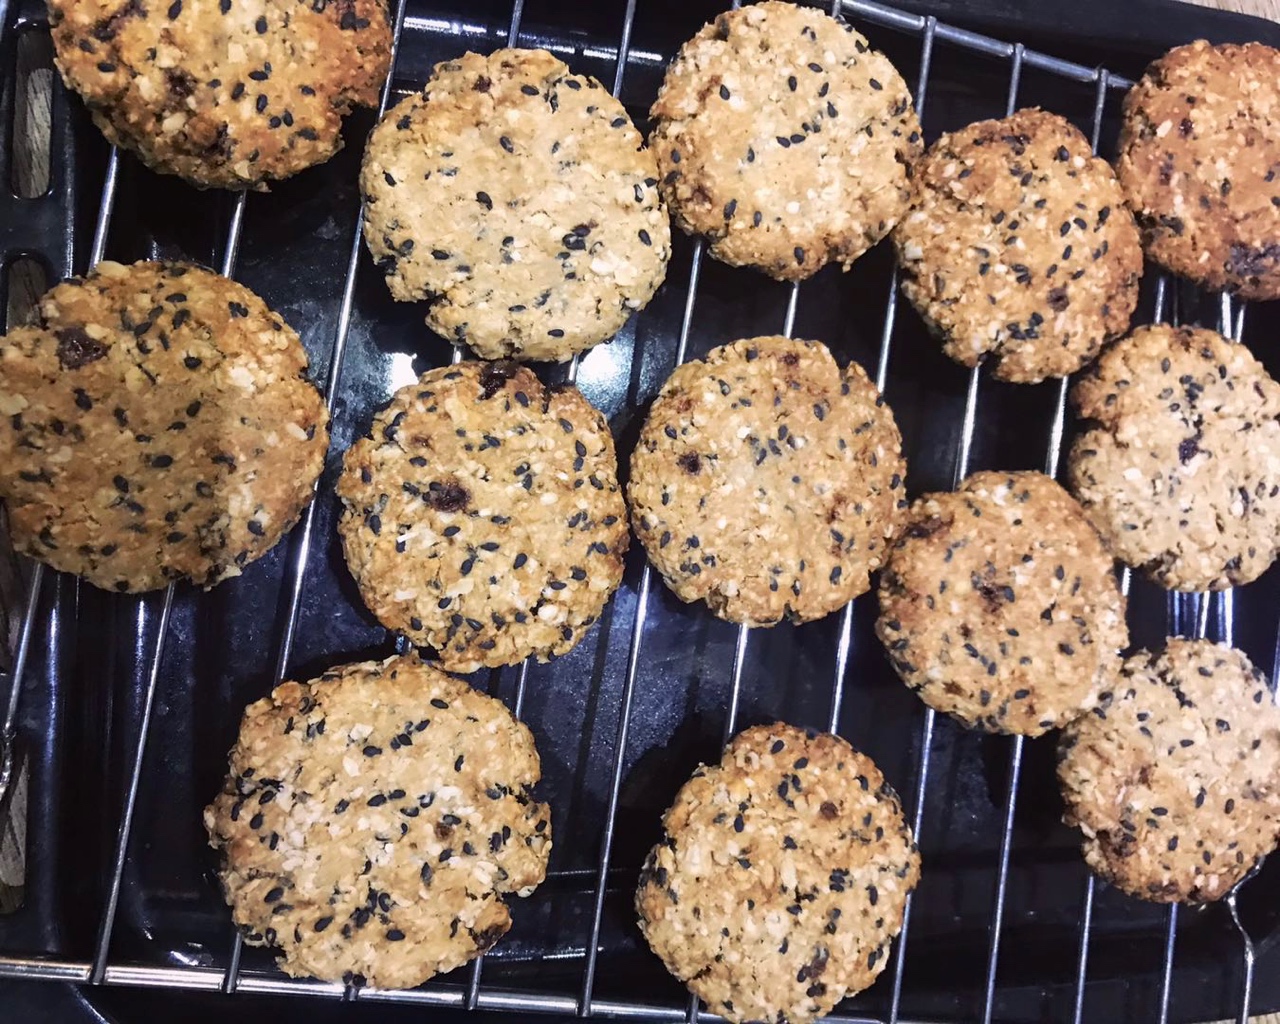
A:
(1183, 610)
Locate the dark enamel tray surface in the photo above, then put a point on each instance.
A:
(83, 692)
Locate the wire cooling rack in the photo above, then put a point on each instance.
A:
(1193, 614)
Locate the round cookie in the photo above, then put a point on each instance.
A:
(1019, 249)
(372, 820)
(482, 515)
(768, 481)
(225, 95)
(1199, 159)
(1173, 778)
(519, 201)
(156, 424)
(999, 604)
(785, 139)
(781, 877)
(1181, 469)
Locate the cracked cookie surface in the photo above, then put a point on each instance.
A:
(482, 515)
(156, 424)
(518, 199)
(999, 604)
(372, 820)
(1019, 249)
(785, 139)
(1173, 777)
(1180, 470)
(224, 93)
(767, 481)
(1200, 162)
(781, 876)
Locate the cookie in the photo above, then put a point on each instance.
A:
(781, 877)
(372, 820)
(225, 95)
(767, 481)
(785, 140)
(1019, 250)
(1199, 158)
(999, 605)
(519, 201)
(156, 424)
(482, 515)
(1180, 471)
(1173, 777)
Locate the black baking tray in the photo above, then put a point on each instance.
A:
(83, 690)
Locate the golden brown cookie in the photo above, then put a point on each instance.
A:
(1019, 249)
(1200, 163)
(224, 93)
(156, 424)
(372, 820)
(482, 515)
(785, 139)
(1174, 779)
(1180, 471)
(781, 877)
(999, 604)
(518, 199)
(768, 481)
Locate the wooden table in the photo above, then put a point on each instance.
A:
(1262, 8)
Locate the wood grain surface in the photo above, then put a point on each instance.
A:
(1262, 8)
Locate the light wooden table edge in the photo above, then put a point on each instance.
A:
(1261, 8)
